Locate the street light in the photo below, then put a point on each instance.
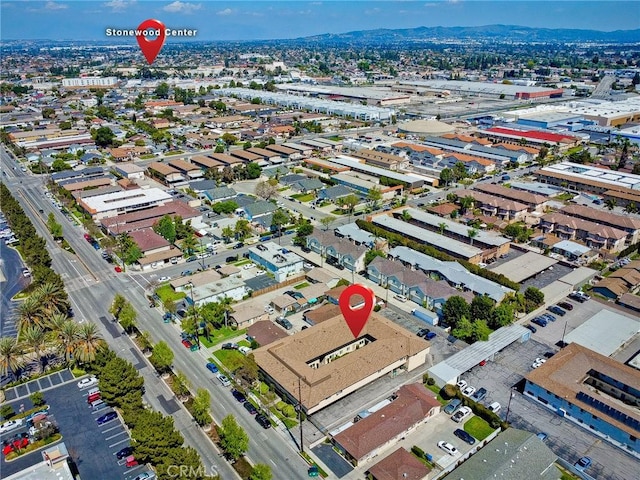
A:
(195, 315)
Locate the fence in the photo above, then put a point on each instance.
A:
(271, 288)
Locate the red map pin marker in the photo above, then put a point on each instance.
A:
(151, 48)
(356, 318)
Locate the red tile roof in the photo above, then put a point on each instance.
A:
(147, 239)
(549, 137)
(400, 465)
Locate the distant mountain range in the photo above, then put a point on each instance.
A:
(495, 33)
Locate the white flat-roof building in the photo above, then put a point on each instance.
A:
(277, 260)
(124, 201)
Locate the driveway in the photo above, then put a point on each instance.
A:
(334, 462)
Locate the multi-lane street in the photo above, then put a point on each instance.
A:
(92, 283)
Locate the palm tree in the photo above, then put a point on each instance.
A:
(53, 298)
(610, 203)
(466, 203)
(10, 355)
(442, 226)
(227, 233)
(30, 313)
(406, 216)
(188, 244)
(36, 338)
(89, 343)
(473, 233)
(243, 229)
(631, 208)
(67, 339)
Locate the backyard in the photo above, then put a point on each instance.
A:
(478, 428)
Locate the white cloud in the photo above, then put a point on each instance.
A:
(182, 7)
(225, 12)
(54, 6)
(119, 5)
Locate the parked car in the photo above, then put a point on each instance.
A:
(577, 296)
(540, 321)
(107, 417)
(423, 332)
(557, 310)
(461, 385)
(238, 395)
(453, 406)
(284, 323)
(269, 309)
(124, 452)
(464, 436)
(400, 298)
(212, 367)
(238, 245)
(468, 391)
(248, 406)
(263, 421)
(244, 350)
(87, 382)
(582, 464)
(548, 317)
(461, 414)
(479, 395)
(223, 380)
(187, 343)
(531, 327)
(494, 407)
(538, 362)
(164, 279)
(11, 425)
(447, 447)
(229, 346)
(542, 436)
(566, 306)
(148, 475)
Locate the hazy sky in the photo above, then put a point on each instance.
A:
(257, 20)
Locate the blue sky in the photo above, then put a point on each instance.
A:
(257, 20)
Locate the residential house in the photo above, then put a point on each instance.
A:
(165, 173)
(333, 194)
(205, 163)
(277, 260)
(258, 209)
(267, 155)
(534, 201)
(629, 224)
(495, 206)
(594, 235)
(337, 251)
(400, 465)
(285, 153)
(246, 315)
(187, 169)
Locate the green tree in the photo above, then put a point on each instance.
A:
(463, 329)
(370, 255)
(349, 203)
(66, 338)
(165, 227)
(446, 176)
(227, 233)
(466, 203)
(104, 137)
(10, 356)
(261, 472)
(442, 226)
(473, 233)
(374, 196)
(233, 439)
(480, 331)
(54, 227)
(53, 298)
(30, 313)
(200, 407)
(117, 305)
(60, 165)
(227, 207)
(454, 309)
(127, 317)
(189, 244)
(162, 90)
(327, 221)
(162, 356)
(278, 220)
(88, 343)
(120, 383)
(153, 435)
(247, 371)
(253, 170)
(481, 308)
(501, 316)
(7, 411)
(610, 203)
(37, 398)
(534, 295)
(35, 338)
(129, 250)
(243, 229)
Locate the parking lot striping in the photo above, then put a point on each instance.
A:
(124, 432)
(112, 428)
(126, 440)
(274, 463)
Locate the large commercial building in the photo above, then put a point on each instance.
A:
(593, 391)
(485, 89)
(90, 82)
(124, 201)
(279, 261)
(323, 364)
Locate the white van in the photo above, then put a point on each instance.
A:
(98, 404)
(494, 407)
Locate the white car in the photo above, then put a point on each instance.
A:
(244, 350)
(269, 309)
(538, 362)
(461, 414)
(87, 382)
(260, 272)
(307, 265)
(249, 266)
(401, 298)
(223, 380)
(164, 279)
(468, 391)
(11, 425)
(494, 407)
(447, 447)
(462, 384)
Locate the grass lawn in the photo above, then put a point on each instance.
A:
(165, 292)
(232, 359)
(241, 263)
(147, 156)
(174, 152)
(436, 389)
(565, 196)
(304, 197)
(289, 422)
(478, 428)
(244, 343)
(338, 211)
(301, 285)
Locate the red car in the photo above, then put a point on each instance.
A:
(187, 343)
(87, 236)
(117, 269)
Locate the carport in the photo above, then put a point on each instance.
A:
(525, 266)
(605, 332)
(449, 370)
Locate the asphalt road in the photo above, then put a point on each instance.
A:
(92, 283)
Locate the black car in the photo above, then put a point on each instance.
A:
(464, 436)
(531, 327)
(263, 421)
(557, 310)
(565, 305)
(540, 321)
(479, 395)
(423, 332)
(238, 395)
(229, 346)
(124, 452)
(233, 258)
(248, 406)
(238, 245)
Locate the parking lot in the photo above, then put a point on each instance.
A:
(567, 440)
(91, 446)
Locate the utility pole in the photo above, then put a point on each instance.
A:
(195, 315)
(564, 332)
(511, 395)
(300, 412)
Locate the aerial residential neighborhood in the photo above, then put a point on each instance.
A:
(178, 237)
